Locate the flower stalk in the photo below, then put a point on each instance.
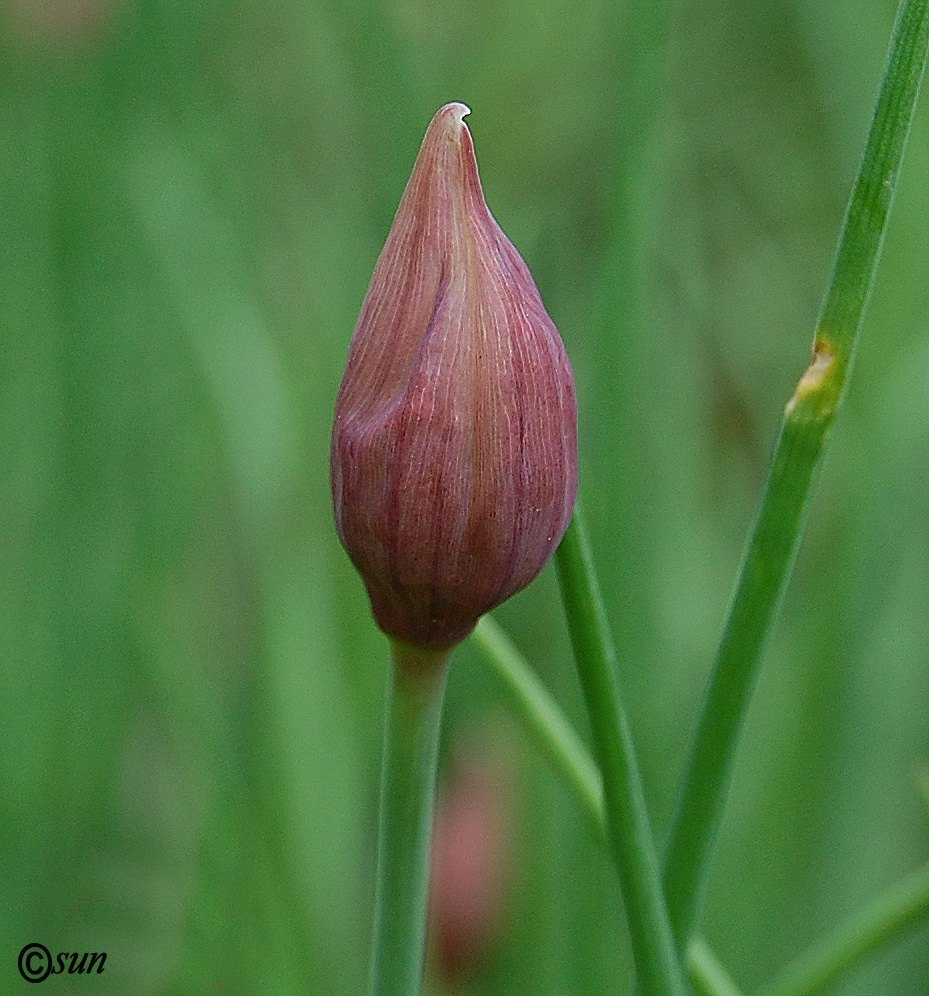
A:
(414, 715)
(629, 829)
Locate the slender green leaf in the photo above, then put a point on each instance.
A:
(544, 720)
(780, 520)
(630, 832)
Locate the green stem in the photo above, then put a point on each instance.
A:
(545, 722)
(556, 738)
(414, 715)
(630, 832)
(899, 908)
(780, 519)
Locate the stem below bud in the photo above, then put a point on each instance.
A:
(414, 717)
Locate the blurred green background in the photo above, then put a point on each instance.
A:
(192, 199)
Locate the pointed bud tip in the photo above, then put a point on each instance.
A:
(449, 120)
(455, 110)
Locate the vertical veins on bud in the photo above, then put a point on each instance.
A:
(454, 449)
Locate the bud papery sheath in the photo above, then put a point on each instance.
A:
(454, 449)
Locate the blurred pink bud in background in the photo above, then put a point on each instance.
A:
(472, 863)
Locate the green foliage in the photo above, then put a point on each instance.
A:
(191, 690)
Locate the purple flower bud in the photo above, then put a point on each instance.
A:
(454, 449)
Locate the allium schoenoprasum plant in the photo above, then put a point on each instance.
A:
(454, 478)
(193, 200)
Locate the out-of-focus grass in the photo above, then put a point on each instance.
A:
(192, 198)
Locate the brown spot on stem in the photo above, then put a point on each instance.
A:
(816, 374)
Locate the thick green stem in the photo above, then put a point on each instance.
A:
(630, 832)
(414, 716)
(779, 523)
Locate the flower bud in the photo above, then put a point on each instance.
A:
(454, 449)
(472, 862)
